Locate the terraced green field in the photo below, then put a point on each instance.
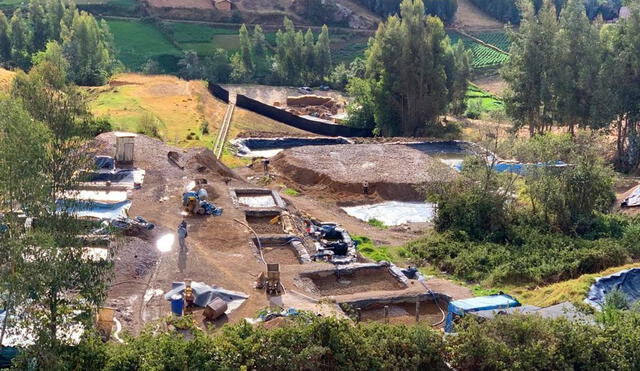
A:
(488, 101)
(498, 39)
(483, 57)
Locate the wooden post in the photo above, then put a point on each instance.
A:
(358, 315)
(417, 310)
(386, 314)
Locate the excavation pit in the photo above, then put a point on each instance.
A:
(280, 254)
(282, 249)
(402, 310)
(354, 279)
(267, 224)
(256, 198)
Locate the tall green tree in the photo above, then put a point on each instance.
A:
(63, 287)
(246, 50)
(578, 64)
(20, 40)
(309, 57)
(619, 88)
(529, 72)
(5, 38)
(406, 70)
(323, 53)
(88, 51)
(190, 66)
(460, 81)
(39, 26)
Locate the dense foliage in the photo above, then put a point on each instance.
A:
(444, 9)
(47, 286)
(506, 342)
(412, 75)
(314, 344)
(297, 59)
(570, 72)
(546, 224)
(508, 11)
(82, 44)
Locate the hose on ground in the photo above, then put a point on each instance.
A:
(284, 291)
(435, 298)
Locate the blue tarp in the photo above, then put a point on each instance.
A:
(627, 280)
(105, 163)
(518, 167)
(461, 307)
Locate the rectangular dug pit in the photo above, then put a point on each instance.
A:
(353, 280)
(265, 224)
(256, 198)
(401, 311)
(280, 254)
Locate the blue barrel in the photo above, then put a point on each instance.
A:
(177, 304)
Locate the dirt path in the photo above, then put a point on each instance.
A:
(470, 18)
(493, 84)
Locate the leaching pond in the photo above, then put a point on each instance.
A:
(393, 213)
(269, 147)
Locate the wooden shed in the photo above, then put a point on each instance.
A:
(125, 147)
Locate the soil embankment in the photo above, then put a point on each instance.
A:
(393, 172)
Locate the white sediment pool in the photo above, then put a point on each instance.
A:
(394, 212)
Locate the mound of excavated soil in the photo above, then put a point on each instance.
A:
(394, 172)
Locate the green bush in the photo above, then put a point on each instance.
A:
(377, 223)
(290, 192)
(534, 343)
(314, 344)
(530, 256)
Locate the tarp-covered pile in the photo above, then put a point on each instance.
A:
(628, 281)
(204, 294)
(333, 243)
(633, 199)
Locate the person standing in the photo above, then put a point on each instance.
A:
(182, 236)
(365, 188)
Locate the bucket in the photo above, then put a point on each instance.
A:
(177, 304)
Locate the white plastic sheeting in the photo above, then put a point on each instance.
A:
(91, 209)
(394, 212)
(633, 199)
(107, 196)
(257, 201)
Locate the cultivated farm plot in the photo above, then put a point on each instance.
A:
(483, 56)
(488, 101)
(498, 39)
(138, 42)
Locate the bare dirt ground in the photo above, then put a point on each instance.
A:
(190, 4)
(360, 281)
(493, 84)
(270, 94)
(405, 313)
(470, 18)
(624, 188)
(343, 169)
(220, 251)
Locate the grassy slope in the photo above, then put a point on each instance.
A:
(180, 106)
(488, 101)
(572, 290)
